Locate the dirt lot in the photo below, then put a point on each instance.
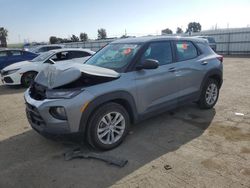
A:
(203, 148)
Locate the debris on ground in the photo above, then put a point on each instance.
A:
(167, 167)
(239, 114)
(87, 154)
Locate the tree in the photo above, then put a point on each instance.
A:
(83, 36)
(74, 38)
(179, 30)
(166, 31)
(54, 40)
(3, 37)
(102, 34)
(193, 27)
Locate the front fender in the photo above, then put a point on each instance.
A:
(108, 97)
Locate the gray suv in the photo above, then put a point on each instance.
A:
(123, 83)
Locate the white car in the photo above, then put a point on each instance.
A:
(44, 48)
(24, 72)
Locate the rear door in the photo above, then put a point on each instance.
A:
(157, 88)
(189, 69)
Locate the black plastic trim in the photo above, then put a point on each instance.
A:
(108, 97)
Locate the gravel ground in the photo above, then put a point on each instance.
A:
(185, 148)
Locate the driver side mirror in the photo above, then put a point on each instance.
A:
(148, 64)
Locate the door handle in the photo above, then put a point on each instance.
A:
(172, 69)
(204, 63)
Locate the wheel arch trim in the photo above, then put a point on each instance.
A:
(105, 98)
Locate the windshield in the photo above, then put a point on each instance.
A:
(43, 56)
(114, 56)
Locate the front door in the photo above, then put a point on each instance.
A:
(157, 88)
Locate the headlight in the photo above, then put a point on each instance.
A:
(62, 94)
(58, 112)
(12, 71)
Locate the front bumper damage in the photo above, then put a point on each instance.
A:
(41, 120)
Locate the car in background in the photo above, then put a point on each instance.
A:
(45, 48)
(211, 41)
(28, 46)
(125, 82)
(24, 72)
(10, 56)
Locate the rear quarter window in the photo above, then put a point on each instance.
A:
(186, 50)
(205, 48)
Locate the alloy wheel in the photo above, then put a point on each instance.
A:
(111, 128)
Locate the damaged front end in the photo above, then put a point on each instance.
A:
(56, 82)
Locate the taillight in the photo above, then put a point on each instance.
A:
(220, 58)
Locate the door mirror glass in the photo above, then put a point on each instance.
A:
(148, 64)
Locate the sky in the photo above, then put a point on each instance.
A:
(37, 20)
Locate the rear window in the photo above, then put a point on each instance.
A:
(186, 50)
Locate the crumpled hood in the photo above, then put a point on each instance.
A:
(17, 65)
(58, 75)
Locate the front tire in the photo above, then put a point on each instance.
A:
(108, 126)
(209, 94)
(28, 78)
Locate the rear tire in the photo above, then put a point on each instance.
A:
(209, 94)
(28, 78)
(108, 126)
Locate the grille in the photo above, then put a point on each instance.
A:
(34, 116)
(37, 91)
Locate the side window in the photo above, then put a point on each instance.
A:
(43, 49)
(78, 54)
(186, 50)
(3, 54)
(60, 56)
(16, 53)
(160, 51)
(53, 47)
